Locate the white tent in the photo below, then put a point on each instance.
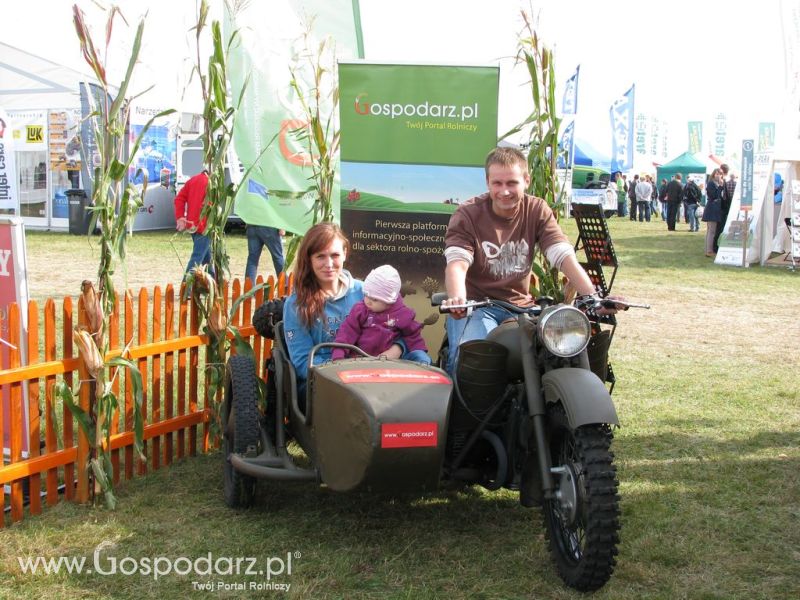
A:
(28, 82)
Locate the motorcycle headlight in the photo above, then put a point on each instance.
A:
(564, 331)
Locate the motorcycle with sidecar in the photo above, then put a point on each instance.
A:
(527, 409)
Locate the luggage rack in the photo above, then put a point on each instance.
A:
(595, 240)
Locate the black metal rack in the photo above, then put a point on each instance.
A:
(595, 241)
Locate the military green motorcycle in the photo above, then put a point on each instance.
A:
(527, 410)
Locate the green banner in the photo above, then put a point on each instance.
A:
(695, 136)
(766, 136)
(418, 114)
(271, 40)
(414, 142)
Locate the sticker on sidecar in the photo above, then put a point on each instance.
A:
(409, 435)
(391, 376)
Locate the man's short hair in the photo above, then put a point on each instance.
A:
(724, 168)
(506, 156)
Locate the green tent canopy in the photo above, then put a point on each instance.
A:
(684, 164)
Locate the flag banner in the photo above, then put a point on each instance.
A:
(566, 146)
(789, 19)
(271, 119)
(695, 136)
(641, 134)
(654, 135)
(414, 143)
(9, 190)
(569, 105)
(747, 175)
(720, 133)
(766, 136)
(622, 111)
(754, 188)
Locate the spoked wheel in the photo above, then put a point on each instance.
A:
(240, 428)
(583, 519)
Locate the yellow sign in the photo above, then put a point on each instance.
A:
(35, 134)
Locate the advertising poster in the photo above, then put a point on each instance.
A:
(156, 158)
(9, 198)
(414, 142)
(731, 240)
(13, 288)
(64, 143)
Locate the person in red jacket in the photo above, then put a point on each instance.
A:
(188, 206)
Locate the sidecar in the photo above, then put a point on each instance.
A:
(363, 424)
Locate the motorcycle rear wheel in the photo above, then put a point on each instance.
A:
(582, 523)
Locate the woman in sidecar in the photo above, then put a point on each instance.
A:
(352, 418)
(324, 294)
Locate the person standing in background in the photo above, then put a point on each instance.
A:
(662, 196)
(622, 195)
(632, 196)
(713, 211)
(674, 197)
(644, 189)
(259, 236)
(188, 206)
(725, 203)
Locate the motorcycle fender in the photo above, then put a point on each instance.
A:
(583, 396)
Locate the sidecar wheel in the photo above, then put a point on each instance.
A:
(240, 428)
(582, 523)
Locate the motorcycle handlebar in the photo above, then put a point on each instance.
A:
(438, 298)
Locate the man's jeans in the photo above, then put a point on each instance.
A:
(474, 327)
(201, 251)
(691, 211)
(259, 236)
(644, 210)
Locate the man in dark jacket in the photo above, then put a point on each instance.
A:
(727, 196)
(632, 196)
(674, 197)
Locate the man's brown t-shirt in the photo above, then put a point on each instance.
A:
(502, 248)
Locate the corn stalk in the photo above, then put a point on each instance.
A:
(115, 203)
(319, 98)
(542, 127)
(219, 116)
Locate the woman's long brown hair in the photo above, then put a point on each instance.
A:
(310, 296)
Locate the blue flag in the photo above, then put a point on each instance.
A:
(569, 105)
(567, 145)
(622, 132)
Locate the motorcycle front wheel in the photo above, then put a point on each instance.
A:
(582, 520)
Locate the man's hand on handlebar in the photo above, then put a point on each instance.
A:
(456, 307)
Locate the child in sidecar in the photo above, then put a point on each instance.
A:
(381, 320)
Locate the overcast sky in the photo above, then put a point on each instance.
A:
(690, 59)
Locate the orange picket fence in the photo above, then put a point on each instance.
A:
(161, 333)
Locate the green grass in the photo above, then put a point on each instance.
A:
(708, 456)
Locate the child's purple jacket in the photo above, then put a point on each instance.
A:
(375, 332)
